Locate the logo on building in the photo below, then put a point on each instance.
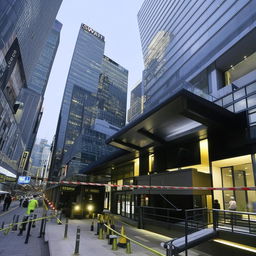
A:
(92, 31)
(24, 159)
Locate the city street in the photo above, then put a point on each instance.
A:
(12, 244)
(140, 114)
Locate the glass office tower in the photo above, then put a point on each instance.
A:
(136, 102)
(24, 29)
(208, 48)
(183, 40)
(41, 71)
(30, 22)
(93, 105)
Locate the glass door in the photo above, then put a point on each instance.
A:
(227, 181)
(241, 196)
(234, 178)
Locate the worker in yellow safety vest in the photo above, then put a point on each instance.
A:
(33, 203)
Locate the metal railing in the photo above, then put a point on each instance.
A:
(235, 221)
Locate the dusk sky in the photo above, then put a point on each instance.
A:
(117, 21)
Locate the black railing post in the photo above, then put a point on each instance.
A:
(186, 233)
(140, 224)
(77, 241)
(41, 228)
(232, 224)
(28, 231)
(44, 225)
(66, 229)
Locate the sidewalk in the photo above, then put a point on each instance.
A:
(13, 245)
(90, 245)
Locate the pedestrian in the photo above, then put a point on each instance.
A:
(216, 205)
(232, 207)
(7, 202)
(232, 204)
(32, 205)
(21, 200)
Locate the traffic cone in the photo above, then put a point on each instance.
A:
(122, 240)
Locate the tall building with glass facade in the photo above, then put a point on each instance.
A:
(207, 48)
(93, 105)
(24, 29)
(136, 102)
(185, 41)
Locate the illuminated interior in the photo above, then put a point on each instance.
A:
(244, 67)
(234, 172)
(204, 155)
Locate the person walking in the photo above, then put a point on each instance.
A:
(32, 205)
(216, 205)
(21, 200)
(7, 202)
(232, 204)
(232, 207)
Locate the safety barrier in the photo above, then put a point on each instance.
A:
(152, 187)
(10, 225)
(128, 249)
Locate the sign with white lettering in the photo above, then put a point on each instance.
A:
(92, 31)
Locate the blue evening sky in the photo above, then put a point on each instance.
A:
(117, 21)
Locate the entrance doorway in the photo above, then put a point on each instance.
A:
(233, 177)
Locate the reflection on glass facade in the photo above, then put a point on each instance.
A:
(30, 22)
(181, 38)
(24, 28)
(136, 103)
(41, 71)
(93, 105)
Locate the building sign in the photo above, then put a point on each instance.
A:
(92, 190)
(92, 31)
(8, 63)
(24, 159)
(24, 179)
(67, 189)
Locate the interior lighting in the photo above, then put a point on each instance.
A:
(77, 207)
(236, 245)
(90, 207)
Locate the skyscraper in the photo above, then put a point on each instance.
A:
(24, 28)
(136, 102)
(93, 105)
(185, 41)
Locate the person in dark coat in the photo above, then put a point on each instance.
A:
(7, 202)
(216, 205)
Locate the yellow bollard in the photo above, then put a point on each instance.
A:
(122, 240)
(114, 244)
(8, 230)
(128, 247)
(101, 232)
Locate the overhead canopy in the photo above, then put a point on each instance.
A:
(182, 114)
(7, 173)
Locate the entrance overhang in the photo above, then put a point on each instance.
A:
(183, 114)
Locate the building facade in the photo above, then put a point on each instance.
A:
(93, 105)
(39, 159)
(25, 27)
(198, 127)
(194, 41)
(136, 102)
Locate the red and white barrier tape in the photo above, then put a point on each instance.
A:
(149, 187)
